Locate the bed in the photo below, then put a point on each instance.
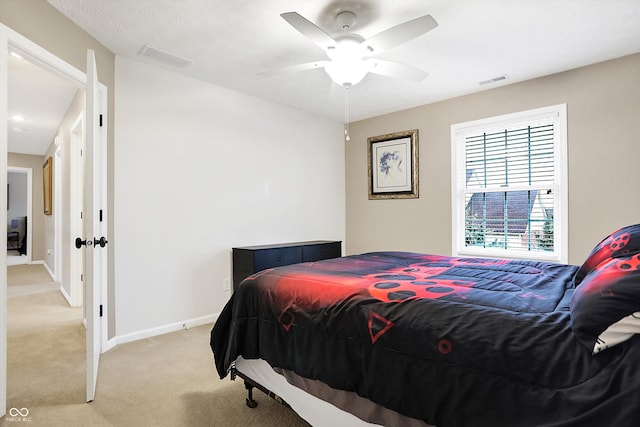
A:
(407, 339)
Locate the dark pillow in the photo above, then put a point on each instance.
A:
(605, 307)
(621, 243)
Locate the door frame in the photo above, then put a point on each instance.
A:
(58, 199)
(11, 39)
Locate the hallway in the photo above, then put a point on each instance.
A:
(46, 340)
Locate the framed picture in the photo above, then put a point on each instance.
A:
(393, 165)
(46, 185)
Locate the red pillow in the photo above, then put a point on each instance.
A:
(605, 307)
(621, 243)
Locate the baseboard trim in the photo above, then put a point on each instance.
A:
(111, 343)
(161, 330)
(65, 295)
(46, 267)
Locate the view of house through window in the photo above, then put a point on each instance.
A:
(508, 196)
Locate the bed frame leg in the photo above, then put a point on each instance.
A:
(250, 384)
(251, 403)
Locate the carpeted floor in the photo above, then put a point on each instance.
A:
(28, 279)
(167, 380)
(27, 274)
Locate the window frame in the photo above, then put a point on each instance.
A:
(558, 114)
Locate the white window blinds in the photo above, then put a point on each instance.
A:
(511, 157)
(508, 192)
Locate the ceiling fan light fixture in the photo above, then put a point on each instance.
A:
(347, 72)
(348, 46)
(17, 118)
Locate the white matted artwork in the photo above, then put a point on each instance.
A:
(393, 165)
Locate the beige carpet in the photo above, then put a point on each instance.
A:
(169, 380)
(28, 279)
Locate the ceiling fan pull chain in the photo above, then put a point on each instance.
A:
(346, 114)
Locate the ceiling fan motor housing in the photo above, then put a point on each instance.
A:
(345, 20)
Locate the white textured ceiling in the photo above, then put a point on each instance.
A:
(231, 41)
(42, 98)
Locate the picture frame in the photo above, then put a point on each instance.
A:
(47, 185)
(393, 165)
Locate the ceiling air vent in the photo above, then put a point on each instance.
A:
(164, 57)
(494, 80)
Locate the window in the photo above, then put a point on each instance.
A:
(509, 176)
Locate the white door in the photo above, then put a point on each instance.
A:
(95, 227)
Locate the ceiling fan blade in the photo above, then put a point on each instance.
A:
(309, 30)
(395, 70)
(399, 34)
(295, 68)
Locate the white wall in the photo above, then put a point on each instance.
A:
(200, 169)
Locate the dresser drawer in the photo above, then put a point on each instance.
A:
(277, 257)
(317, 252)
(252, 259)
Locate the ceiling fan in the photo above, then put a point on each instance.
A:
(351, 55)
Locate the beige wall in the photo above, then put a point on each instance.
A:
(603, 109)
(34, 163)
(41, 23)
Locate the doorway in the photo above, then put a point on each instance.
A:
(19, 203)
(42, 106)
(11, 41)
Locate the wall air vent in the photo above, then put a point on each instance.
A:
(494, 80)
(164, 57)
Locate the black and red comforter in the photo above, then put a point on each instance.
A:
(450, 341)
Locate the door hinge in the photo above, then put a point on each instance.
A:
(100, 310)
(82, 277)
(100, 120)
